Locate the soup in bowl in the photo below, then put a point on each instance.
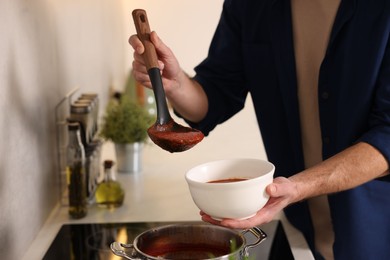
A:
(231, 188)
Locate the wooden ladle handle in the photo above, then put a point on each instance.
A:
(143, 32)
(150, 56)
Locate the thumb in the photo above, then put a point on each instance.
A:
(280, 187)
(272, 190)
(162, 50)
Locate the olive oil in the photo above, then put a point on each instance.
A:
(77, 192)
(109, 193)
(75, 173)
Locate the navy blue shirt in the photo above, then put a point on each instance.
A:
(252, 52)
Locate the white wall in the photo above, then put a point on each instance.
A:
(49, 47)
(185, 26)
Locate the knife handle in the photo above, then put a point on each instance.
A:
(143, 32)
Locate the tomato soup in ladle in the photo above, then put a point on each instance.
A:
(165, 133)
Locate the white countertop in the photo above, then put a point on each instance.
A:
(159, 193)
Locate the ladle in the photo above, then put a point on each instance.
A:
(165, 132)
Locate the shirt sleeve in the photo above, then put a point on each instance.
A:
(379, 119)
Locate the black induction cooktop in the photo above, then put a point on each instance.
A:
(92, 241)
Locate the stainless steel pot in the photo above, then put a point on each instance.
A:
(178, 242)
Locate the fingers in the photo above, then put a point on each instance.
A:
(138, 47)
(283, 188)
(263, 216)
(139, 69)
(162, 50)
(258, 219)
(207, 218)
(136, 43)
(282, 192)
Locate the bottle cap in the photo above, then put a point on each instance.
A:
(80, 108)
(73, 126)
(89, 95)
(108, 163)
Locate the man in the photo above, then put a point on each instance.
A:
(319, 75)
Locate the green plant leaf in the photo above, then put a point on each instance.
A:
(125, 121)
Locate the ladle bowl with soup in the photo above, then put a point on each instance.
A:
(231, 188)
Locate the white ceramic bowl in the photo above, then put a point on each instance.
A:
(237, 200)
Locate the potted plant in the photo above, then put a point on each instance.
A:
(125, 123)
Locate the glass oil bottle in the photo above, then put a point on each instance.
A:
(109, 193)
(75, 173)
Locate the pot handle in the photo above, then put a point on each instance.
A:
(259, 234)
(117, 249)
